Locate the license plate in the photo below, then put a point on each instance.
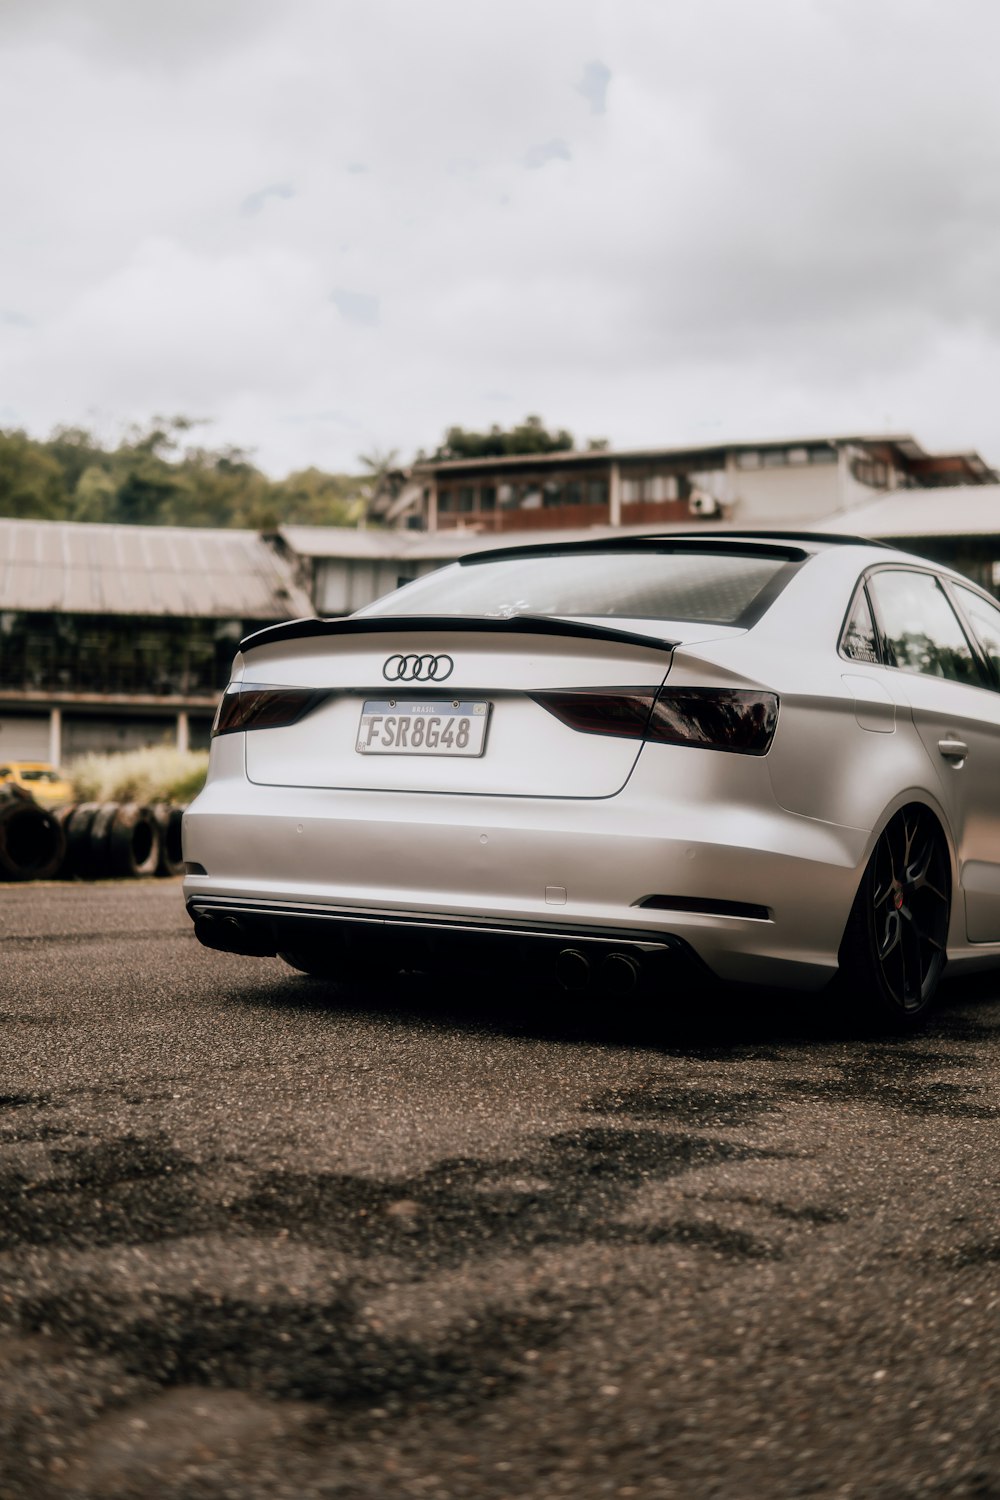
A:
(405, 726)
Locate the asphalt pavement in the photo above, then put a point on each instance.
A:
(262, 1239)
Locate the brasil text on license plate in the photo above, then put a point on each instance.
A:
(404, 726)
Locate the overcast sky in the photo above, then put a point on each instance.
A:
(328, 225)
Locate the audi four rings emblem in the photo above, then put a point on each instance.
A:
(418, 668)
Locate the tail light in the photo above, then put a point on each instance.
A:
(264, 707)
(741, 720)
(623, 713)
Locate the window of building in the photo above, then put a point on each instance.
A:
(487, 497)
(871, 472)
(798, 455)
(466, 498)
(597, 492)
(659, 487)
(446, 501)
(749, 458)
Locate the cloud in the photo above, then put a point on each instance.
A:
(253, 204)
(356, 307)
(594, 86)
(538, 156)
(154, 37)
(182, 331)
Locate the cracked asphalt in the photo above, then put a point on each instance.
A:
(263, 1239)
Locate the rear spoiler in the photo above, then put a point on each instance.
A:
(300, 630)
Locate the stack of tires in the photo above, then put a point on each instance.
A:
(87, 840)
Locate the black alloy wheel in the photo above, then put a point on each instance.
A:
(894, 947)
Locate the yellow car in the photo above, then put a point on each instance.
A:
(34, 776)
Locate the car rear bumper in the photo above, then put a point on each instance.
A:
(450, 867)
(345, 943)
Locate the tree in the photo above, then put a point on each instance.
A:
(156, 476)
(312, 497)
(31, 482)
(75, 450)
(144, 496)
(529, 436)
(94, 495)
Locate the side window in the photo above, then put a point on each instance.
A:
(921, 629)
(858, 641)
(985, 621)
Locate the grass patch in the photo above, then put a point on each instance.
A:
(159, 773)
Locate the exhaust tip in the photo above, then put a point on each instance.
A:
(227, 934)
(573, 969)
(619, 973)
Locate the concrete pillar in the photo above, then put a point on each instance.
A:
(55, 736)
(845, 480)
(615, 493)
(183, 731)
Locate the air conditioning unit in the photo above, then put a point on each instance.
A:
(701, 503)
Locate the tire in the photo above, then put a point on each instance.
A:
(100, 840)
(168, 816)
(78, 860)
(62, 815)
(894, 947)
(32, 842)
(134, 842)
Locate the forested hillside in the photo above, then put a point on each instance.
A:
(158, 476)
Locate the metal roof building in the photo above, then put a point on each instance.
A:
(83, 568)
(956, 511)
(117, 636)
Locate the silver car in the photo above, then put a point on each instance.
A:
(774, 756)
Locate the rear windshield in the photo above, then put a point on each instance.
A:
(718, 588)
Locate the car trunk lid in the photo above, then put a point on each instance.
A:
(483, 679)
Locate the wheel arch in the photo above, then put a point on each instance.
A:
(916, 797)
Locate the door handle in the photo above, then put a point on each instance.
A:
(953, 749)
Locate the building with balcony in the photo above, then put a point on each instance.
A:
(775, 483)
